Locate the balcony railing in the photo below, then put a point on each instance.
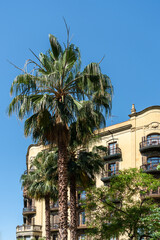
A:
(107, 175)
(28, 210)
(150, 144)
(54, 206)
(154, 193)
(54, 226)
(113, 153)
(110, 151)
(28, 228)
(151, 166)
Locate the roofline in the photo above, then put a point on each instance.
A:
(118, 129)
(144, 110)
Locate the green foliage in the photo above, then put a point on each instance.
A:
(42, 177)
(122, 207)
(57, 91)
(38, 238)
(85, 165)
(152, 221)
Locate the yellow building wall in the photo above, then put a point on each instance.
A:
(127, 134)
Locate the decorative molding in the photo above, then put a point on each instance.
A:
(152, 125)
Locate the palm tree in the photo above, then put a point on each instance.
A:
(83, 165)
(41, 182)
(57, 85)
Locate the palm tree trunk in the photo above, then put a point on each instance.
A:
(62, 184)
(47, 214)
(73, 220)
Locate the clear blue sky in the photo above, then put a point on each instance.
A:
(126, 31)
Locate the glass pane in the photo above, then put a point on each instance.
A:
(81, 237)
(81, 218)
(83, 195)
(153, 139)
(152, 162)
(112, 168)
(112, 148)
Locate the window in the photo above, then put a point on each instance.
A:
(112, 148)
(153, 139)
(82, 195)
(82, 237)
(81, 218)
(112, 169)
(152, 162)
(25, 202)
(55, 237)
(24, 220)
(55, 220)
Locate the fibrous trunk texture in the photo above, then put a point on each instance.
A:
(73, 217)
(47, 213)
(62, 186)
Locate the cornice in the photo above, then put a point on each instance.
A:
(116, 130)
(144, 111)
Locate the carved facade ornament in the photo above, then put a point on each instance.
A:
(151, 126)
(155, 125)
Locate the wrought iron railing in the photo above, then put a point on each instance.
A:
(54, 226)
(153, 141)
(29, 209)
(110, 173)
(54, 205)
(151, 165)
(113, 151)
(109, 151)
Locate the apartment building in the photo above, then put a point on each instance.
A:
(130, 144)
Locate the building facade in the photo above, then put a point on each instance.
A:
(134, 143)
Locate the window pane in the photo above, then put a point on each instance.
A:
(152, 162)
(81, 237)
(112, 148)
(81, 218)
(112, 168)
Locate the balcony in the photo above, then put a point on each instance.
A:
(107, 175)
(29, 230)
(81, 227)
(54, 206)
(154, 193)
(149, 146)
(112, 154)
(54, 227)
(151, 166)
(29, 210)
